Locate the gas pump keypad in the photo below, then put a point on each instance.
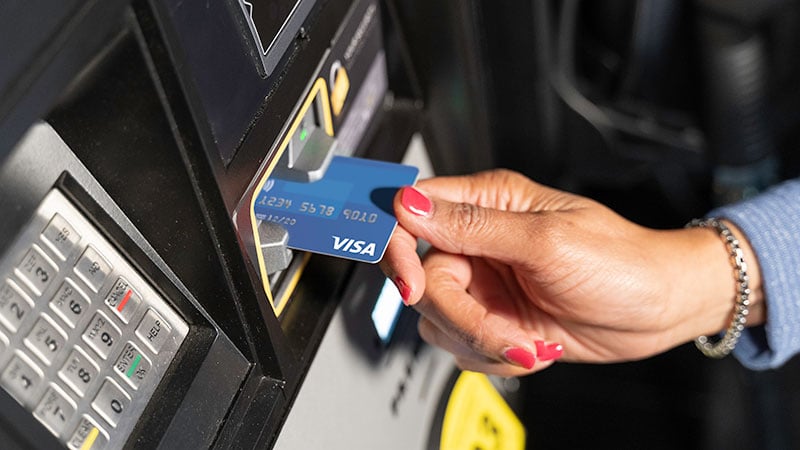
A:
(84, 339)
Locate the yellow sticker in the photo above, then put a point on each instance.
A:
(89, 442)
(340, 89)
(477, 417)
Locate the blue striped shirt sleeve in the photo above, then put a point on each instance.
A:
(771, 223)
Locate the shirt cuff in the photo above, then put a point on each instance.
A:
(771, 223)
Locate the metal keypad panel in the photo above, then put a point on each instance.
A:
(84, 339)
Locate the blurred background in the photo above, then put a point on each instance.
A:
(661, 110)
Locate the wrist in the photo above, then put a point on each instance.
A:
(704, 283)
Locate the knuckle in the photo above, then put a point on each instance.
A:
(506, 177)
(479, 334)
(469, 218)
(470, 340)
(499, 174)
(473, 336)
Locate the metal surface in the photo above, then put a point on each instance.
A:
(49, 338)
(308, 162)
(30, 172)
(274, 238)
(358, 394)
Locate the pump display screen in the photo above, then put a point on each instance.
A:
(386, 311)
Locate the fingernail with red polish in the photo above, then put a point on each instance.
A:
(404, 289)
(414, 201)
(520, 357)
(548, 352)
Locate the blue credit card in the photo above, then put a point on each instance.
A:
(348, 213)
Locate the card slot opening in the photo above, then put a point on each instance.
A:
(285, 281)
(313, 115)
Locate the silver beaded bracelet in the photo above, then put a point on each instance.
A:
(732, 334)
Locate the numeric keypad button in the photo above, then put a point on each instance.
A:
(123, 300)
(14, 306)
(60, 236)
(93, 268)
(70, 303)
(132, 365)
(102, 335)
(21, 378)
(55, 410)
(79, 371)
(153, 330)
(87, 436)
(46, 340)
(111, 402)
(37, 270)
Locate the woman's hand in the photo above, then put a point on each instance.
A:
(520, 273)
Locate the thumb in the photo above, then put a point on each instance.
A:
(464, 228)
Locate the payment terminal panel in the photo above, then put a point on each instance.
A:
(87, 338)
(145, 302)
(93, 323)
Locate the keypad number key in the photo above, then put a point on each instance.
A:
(37, 271)
(69, 303)
(14, 306)
(87, 436)
(111, 402)
(21, 378)
(60, 236)
(93, 268)
(46, 339)
(132, 365)
(101, 335)
(79, 372)
(54, 410)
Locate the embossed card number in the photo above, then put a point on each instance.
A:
(348, 213)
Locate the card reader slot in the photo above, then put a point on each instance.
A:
(303, 155)
(284, 282)
(310, 149)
